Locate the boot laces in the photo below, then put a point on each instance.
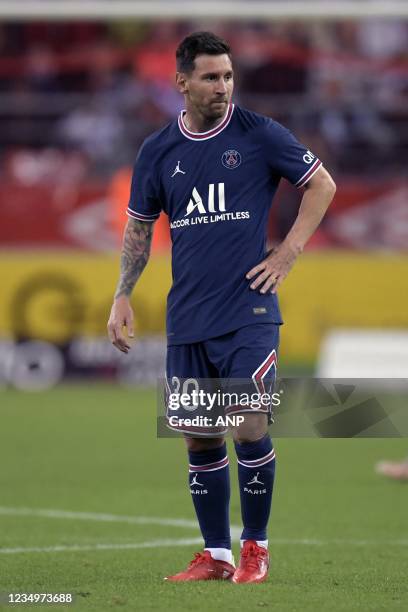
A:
(250, 554)
(198, 558)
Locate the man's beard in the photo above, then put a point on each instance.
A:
(212, 112)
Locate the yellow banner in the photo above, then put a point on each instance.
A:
(56, 296)
(341, 290)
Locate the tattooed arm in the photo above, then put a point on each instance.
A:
(135, 253)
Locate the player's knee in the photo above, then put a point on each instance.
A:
(202, 444)
(253, 427)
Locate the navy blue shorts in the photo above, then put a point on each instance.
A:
(243, 360)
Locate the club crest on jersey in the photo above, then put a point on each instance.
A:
(231, 159)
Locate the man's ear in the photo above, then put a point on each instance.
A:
(181, 82)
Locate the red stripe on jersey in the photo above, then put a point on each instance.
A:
(210, 133)
(141, 217)
(263, 369)
(303, 180)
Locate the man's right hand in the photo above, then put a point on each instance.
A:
(121, 316)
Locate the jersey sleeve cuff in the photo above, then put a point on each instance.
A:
(308, 174)
(141, 216)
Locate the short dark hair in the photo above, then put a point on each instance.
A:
(199, 43)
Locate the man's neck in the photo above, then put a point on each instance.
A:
(195, 122)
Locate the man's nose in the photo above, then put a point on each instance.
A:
(221, 87)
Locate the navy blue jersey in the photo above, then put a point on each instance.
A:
(217, 188)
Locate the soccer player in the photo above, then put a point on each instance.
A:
(214, 172)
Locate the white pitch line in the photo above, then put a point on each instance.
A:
(152, 520)
(75, 548)
(338, 541)
(181, 542)
(98, 516)
(108, 518)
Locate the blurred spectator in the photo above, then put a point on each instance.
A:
(30, 168)
(96, 130)
(383, 39)
(41, 70)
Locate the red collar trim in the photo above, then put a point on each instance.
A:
(210, 133)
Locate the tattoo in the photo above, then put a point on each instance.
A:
(135, 253)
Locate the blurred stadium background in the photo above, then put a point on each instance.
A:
(83, 475)
(77, 97)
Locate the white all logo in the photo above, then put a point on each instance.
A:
(196, 201)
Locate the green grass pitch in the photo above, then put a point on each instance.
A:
(338, 533)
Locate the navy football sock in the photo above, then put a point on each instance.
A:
(256, 472)
(210, 489)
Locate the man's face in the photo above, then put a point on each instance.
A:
(208, 88)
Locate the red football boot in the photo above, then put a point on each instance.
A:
(253, 564)
(204, 567)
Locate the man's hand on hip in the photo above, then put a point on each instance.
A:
(269, 274)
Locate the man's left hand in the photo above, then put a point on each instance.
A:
(273, 269)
